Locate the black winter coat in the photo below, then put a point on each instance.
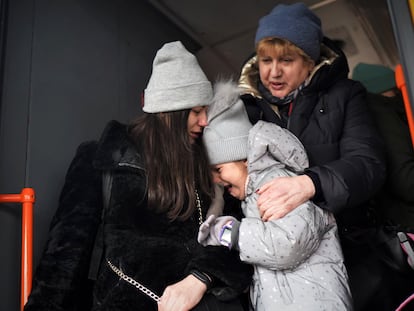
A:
(331, 118)
(144, 245)
(396, 199)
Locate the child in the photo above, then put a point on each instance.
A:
(297, 259)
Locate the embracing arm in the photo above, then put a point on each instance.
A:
(349, 174)
(63, 268)
(283, 194)
(360, 169)
(278, 244)
(283, 243)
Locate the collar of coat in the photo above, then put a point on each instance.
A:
(115, 149)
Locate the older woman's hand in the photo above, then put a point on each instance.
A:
(281, 195)
(182, 296)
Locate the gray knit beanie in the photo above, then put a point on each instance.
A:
(226, 134)
(295, 23)
(177, 81)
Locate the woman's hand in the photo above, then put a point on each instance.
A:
(182, 296)
(281, 195)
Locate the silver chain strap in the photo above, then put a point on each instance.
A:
(198, 203)
(131, 281)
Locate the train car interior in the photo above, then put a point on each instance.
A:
(67, 67)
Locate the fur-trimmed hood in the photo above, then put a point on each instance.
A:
(116, 149)
(226, 94)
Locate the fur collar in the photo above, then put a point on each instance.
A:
(115, 149)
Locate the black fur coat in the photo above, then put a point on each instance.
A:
(144, 245)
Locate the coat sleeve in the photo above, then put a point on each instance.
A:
(60, 281)
(283, 243)
(231, 276)
(359, 169)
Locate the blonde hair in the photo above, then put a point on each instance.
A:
(281, 47)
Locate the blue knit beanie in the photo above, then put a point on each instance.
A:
(376, 78)
(295, 23)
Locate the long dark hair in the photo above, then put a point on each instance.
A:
(176, 169)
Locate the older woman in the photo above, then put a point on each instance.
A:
(298, 79)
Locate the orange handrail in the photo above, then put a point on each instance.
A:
(400, 81)
(27, 198)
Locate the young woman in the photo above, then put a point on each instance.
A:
(146, 219)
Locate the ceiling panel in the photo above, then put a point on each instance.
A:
(225, 29)
(216, 21)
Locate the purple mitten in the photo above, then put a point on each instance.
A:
(204, 230)
(212, 231)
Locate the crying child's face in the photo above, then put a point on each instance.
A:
(233, 176)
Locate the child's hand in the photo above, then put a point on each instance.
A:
(211, 231)
(204, 231)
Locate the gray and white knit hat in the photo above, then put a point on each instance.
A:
(177, 81)
(226, 134)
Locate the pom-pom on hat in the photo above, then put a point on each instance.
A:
(376, 78)
(177, 81)
(226, 134)
(295, 23)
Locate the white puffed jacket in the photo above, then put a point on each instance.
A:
(298, 259)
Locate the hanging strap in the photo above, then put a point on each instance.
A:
(98, 248)
(405, 239)
(405, 303)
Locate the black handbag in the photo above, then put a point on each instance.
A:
(380, 264)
